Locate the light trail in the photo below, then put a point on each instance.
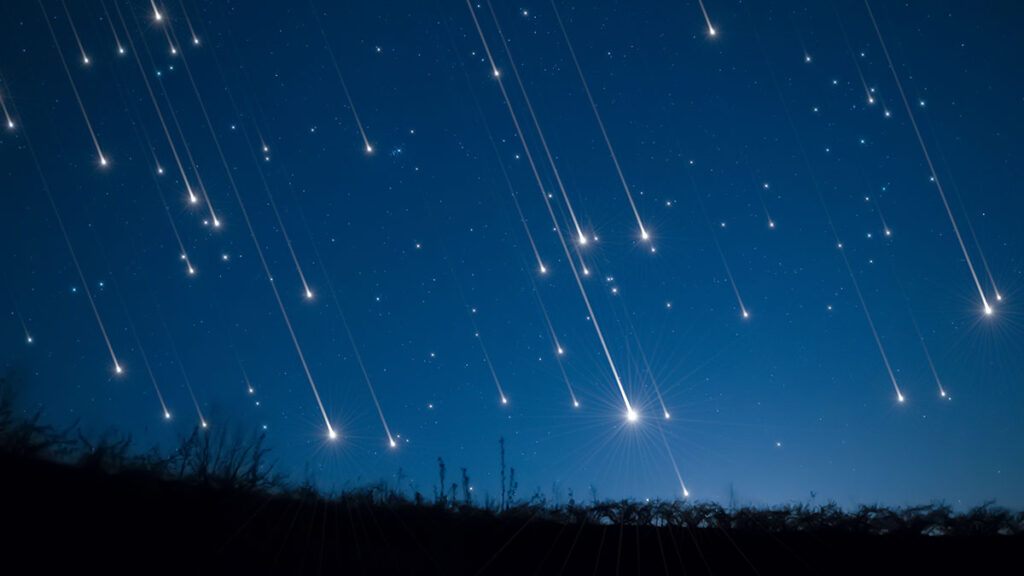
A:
(74, 88)
(878, 209)
(307, 293)
(181, 134)
(156, 13)
(924, 149)
(331, 432)
(163, 124)
(672, 459)
(611, 151)
(828, 217)
(559, 351)
(630, 413)
(7, 113)
(721, 254)
(71, 249)
(142, 351)
(341, 79)
(192, 31)
(17, 310)
(704, 11)
(764, 205)
(359, 358)
(184, 375)
(580, 237)
(113, 30)
(74, 30)
(853, 58)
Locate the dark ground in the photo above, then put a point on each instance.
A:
(58, 517)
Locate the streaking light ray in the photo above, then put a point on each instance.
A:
(149, 89)
(565, 248)
(707, 20)
(74, 88)
(928, 159)
(113, 30)
(341, 79)
(71, 250)
(74, 31)
(580, 237)
(611, 151)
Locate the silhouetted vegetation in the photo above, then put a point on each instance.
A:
(216, 502)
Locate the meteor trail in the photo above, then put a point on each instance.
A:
(7, 114)
(725, 264)
(74, 88)
(611, 151)
(184, 375)
(113, 30)
(74, 258)
(631, 414)
(163, 124)
(341, 79)
(672, 459)
(704, 11)
(184, 12)
(935, 177)
(74, 30)
(581, 238)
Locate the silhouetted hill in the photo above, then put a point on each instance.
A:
(59, 517)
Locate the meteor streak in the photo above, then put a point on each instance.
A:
(195, 38)
(341, 79)
(74, 30)
(611, 151)
(924, 149)
(71, 250)
(74, 88)
(581, 238)
(113, 30)
(704, 11)
(7, 114)
(554, 221)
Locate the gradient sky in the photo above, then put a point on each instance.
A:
(423, 246)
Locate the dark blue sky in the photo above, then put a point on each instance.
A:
(423, 245)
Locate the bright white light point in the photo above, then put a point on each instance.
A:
(251, 391)
(216, 223)
(632, 416)
(942, 393)
(192, 199)
(988, 310)
(583, 239)
(103, 161)
(204, 424)
(560, 350)
(392, 443)
(191, 271)
(332, 435)
(120, 49)
(807, 58)
(999, 297)
(686, 493)
(504, 400)
(771, 224)
(746, 314)
(118, 369)
(668, 416)
(85, 59)
(157, 15)
(712, 31)
(195, 41)
(29, 339)
(575, 404)
(159, 170)
(167, 415)
(543, 270)
(496, 73)
(900, 398)
(265, 148)
(871, 100)
(645, 235)
(586, 271)
(10, 124)
(369, 149)
(309, 295)
(888, 232)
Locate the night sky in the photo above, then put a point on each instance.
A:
(751, 153)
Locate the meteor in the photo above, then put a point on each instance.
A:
(74, 88)
(580, 237)
(163, 124)
(195, 38)
(611, 151)
(71, 250)
(7, 114)
(554, 220)
(924, 149)
(721, 254)
(117, 39)
(704, 11)
(156, 13)
(675, 468)
(74, 30)
(341, 79)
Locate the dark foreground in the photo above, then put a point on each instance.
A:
(57, 517)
